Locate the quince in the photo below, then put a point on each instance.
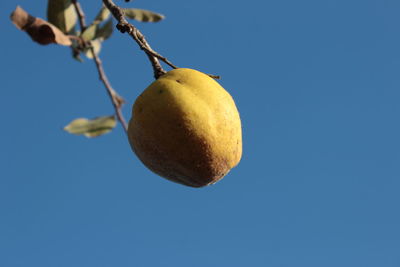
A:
(185, 127)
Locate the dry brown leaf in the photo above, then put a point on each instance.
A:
(38, 29)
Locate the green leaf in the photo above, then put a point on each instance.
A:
(142, 15)
(89, 33)
(105, 31)
(95, 31)
(91, 128)
(96, 44)
(62, 14)
(103, 14)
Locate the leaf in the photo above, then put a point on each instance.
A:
(76, 47)
(62, 14)
(38, 29)
(103, 14)
(91, 128)
(105, 31)
(21, 18)
(95, 31)
(142, 15)
(90, 32)
(77, 56)
(76, 52)
(96, 44)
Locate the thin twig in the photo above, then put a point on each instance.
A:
(81, 14)
(124, 26)
(116, 100)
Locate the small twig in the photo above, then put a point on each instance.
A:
(124, 26)
(81, 14)
(116, 100)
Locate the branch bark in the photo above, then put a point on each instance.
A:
(125, 27)
(117, 101)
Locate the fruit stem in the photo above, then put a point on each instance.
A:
(125, 27)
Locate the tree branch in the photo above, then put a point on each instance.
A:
(116, 100)
(125, 27)
(81, 14)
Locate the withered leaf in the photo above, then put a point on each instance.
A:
(38, 29)
(62, 14)
(142, 15)
(91, 128)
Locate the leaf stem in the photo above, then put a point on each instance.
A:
(116, 100)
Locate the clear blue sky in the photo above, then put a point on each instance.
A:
(317, 84)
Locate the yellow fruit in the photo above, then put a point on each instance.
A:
(186, 128)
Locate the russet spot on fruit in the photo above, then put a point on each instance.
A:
(185, 127)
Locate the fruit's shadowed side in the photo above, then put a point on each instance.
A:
(186, 128)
